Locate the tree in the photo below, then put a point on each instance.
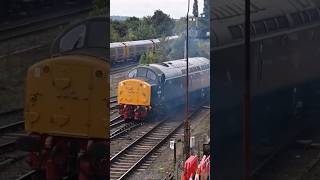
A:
(206, 11)
(114, 35)
(195, 8)
(132, 22)
(100, 7)
(162, 23)
(149, 57)
(120, 27)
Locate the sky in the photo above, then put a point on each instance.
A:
(140, 8)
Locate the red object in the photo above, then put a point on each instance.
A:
(141, 112)
(190, 167)
(127, 111)
(204, 167)
(132, 112)
(56, 155)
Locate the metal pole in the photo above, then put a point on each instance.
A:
(175, 154)
(247, 98)
(186, 120)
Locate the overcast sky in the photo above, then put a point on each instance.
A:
(140, 8)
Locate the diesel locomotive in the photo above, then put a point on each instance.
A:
(67, 106)
(158, 88)
(285, 78)
(132, 50)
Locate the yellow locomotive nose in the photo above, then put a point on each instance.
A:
(134, 92)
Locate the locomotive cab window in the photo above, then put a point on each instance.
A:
(95, 34)
(73, 39)
(151, 75)
(142, 72)
(133, 73)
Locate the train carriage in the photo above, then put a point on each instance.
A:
(132, 50)
(136, 48)
(118, 52)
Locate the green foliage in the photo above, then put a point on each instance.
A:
(195, 8)
(206, 10)
(162, 23)
(149, 57)
(149, 27)
(100, 7)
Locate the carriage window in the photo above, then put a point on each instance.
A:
(314, 14)
(260, 28)
(142, 72)
(305, 16)
(112, 51)
(271, 24)
(73, 39)
(151, 75)
(236, 32)
(297, 18)
(283, 22)
(251, 28)
(120, 50)
(132, 73)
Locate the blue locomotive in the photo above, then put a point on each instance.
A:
(161, 87)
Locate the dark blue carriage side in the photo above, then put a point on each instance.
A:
(285, 79)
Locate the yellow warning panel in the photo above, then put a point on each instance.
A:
(68, 96)
(134, 92)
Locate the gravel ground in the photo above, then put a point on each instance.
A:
(298, 161)
(11, 118)
(200, 128)
(123, 141)
(13, 71)
(15, 58)
(14, 170)
(114, 80)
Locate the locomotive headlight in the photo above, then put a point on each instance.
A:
(99, 74)
(46, 69)
(144, 86)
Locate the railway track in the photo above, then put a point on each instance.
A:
(118, 120)
(137, 153)
(27, 176)
(122, 67)
(140, 153)
(7, 136)
(113, 103)
(118, 126)
(123, 128)
(42, 24)
(296, 159)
